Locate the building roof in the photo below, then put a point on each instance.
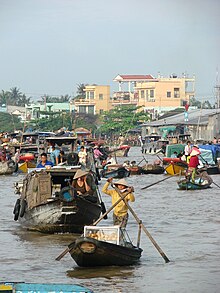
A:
(195, 117)
(133, 77)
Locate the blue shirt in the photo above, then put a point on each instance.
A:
(47, 163)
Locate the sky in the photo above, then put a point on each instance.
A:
(51, 46)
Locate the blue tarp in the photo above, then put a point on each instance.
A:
(214, 148)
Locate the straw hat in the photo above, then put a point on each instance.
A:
(122, 182)
(80, 173)
(195, 152)
(4, 144)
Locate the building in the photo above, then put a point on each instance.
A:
(35, 110)
(96, 100)
(202, 124)
(155, 95)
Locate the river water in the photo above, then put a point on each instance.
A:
(185, 224)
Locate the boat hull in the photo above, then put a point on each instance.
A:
(88, 252)
(7, 167)
(175, 168)
(189, 185)
(117, 173)
(57, 216)
(21, 287)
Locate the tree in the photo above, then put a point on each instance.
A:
(121, 119)
(80, 91)
(9, 122)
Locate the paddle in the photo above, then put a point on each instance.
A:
(142, 226)
(94, 224)
(158, 181)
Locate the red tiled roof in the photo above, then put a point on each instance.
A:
(134, 77)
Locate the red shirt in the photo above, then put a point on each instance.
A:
(194, 162)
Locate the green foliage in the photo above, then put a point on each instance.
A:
(50, 99)
(9, 123)
(121, 119)
(13, 97)
(205, 105)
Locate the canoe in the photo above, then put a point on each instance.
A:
(8, 167)
(185, 184)
(120, 172)
(152, 169)
(19, 287)
(176, 168)
(104, 246)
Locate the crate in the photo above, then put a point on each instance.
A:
(109, 234)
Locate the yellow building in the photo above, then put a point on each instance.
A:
(96, 101)
(155, 94)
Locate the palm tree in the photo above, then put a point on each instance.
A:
(4, 97)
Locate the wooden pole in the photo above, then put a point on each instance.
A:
(143, 227)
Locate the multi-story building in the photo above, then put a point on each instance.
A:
(96, 100)
(155, 94)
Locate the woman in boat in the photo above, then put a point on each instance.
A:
(84, 185)
(44, 163)
(120, 214)
(187, 150)
(193, 163)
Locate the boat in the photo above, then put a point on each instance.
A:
(121, 151)
(152, 169)
(8, 167)
(47, 203)
(104, 246)
(176, 168)
(186, 184)
(210, 158)
(115, 172)
(21, 287)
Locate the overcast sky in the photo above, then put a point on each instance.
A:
(50, 46)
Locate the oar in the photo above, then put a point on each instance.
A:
(216, 184)
(94, 224)
(143, 227)
(159, 181)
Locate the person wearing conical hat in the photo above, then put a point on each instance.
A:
(82, 182)
(193, 162)
(120, 214)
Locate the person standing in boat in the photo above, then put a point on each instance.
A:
(54, 155)
(120, 214)
(187, 150)
(82, 156)
(44, 163)
(193, 163)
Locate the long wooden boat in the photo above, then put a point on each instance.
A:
(199, 183)
(152, 169)
(119, 172)
(8, 167)
(104, 246)
(48, 204)
(121, 151)
(20, 287)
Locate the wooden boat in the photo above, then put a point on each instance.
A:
(104, 246)
(152, 169)
(7, 167)
(186, 184)
(20, 287)
(47, 203)
(23, 167)
(117, 172)
(176, 168)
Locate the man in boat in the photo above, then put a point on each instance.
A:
(120, 214)
(44, 163)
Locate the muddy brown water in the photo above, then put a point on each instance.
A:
(185, 224)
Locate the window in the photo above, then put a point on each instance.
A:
(142, 94)
(91, 110)
(89, 95)
(82, 109)
(151, 94)
(146, 93)
(168, 94)
(176, 92)
(101, 111)
(100, 96)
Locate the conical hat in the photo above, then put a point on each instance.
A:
(121, 182)
(195, 152)
(80, 173)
